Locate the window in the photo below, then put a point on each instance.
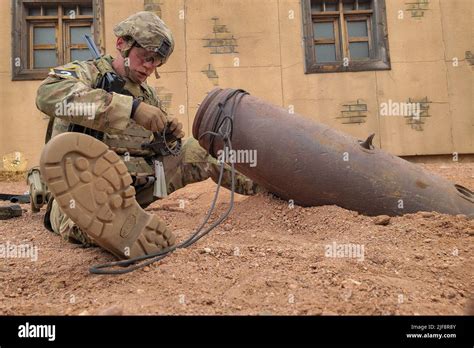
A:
(51, 33)
(345, 35)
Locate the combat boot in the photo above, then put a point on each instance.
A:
(91, 185)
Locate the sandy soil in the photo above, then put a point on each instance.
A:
(267, 258)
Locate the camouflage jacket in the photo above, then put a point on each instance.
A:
(69, 95)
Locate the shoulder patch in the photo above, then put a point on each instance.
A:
(63, 72)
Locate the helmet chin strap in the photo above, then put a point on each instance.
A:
(126, 64)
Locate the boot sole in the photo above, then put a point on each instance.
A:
(92, 186)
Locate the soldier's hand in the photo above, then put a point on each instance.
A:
(150, 117)
(176, 128)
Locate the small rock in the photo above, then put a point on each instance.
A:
(146, 269)
(354, 282)
(470, 232)
(426, 214)
(205, 251)
(113, 310)
(85, 312)
(449, 294)
(253, 236)
(140, 291)
(292, 286)
(227, 227)
(382, 220)
(419, 256)
(434, 299)
(347, 294)
(378, 259)
(427, 240)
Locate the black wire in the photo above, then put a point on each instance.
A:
(175, 151)
(221, 110)
(224, 131)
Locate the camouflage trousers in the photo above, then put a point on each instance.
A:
(193, 165)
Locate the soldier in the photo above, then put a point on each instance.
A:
(93, 203)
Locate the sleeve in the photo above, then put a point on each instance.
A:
(154, 100)
(69, 94)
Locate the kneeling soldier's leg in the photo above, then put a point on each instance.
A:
(66, 228)
(187, 168)
(92, 187)
(243, 185)
(194, 164)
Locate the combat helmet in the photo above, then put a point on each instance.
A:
(148, 31)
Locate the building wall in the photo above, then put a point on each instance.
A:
(263, 54)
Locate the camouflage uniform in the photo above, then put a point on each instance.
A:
(75, 83)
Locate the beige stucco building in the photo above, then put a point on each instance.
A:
(259, 46)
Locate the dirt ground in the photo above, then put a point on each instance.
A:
(267, 258)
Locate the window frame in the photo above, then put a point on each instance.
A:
(379, 53)
(68, 45)
(31, 45)
(22, 44)
(337, 37)
(370, 39)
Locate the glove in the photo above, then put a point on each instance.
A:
(175, 128)
(150, 117)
